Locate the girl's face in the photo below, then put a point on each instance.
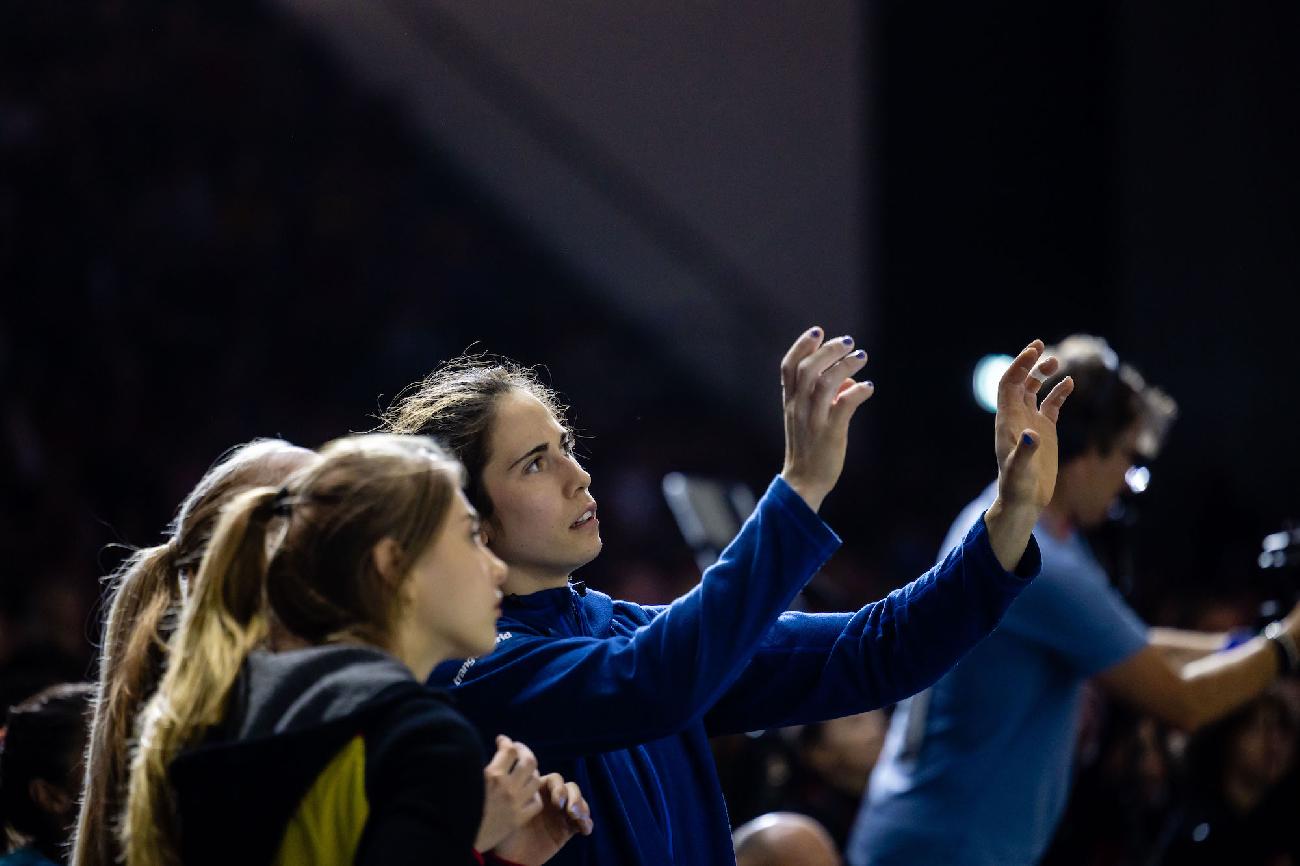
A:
(454, 589)
(544, 523)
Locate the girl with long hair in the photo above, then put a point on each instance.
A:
(143, 600)
(622, 697)
(331, 751)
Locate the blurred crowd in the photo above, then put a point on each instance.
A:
(196, 208)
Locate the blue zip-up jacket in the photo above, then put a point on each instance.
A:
(622, 698)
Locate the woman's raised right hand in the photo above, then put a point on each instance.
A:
(820, 397)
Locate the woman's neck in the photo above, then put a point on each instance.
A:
(524, 582)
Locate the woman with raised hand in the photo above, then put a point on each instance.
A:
(330, 750)
(622, 698)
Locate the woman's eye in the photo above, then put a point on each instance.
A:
(534, 465)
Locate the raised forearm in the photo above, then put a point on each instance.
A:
(1010, 527)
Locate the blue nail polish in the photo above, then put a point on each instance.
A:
(848, 341)
(1027, 440)
(859, 354)
(815, 332)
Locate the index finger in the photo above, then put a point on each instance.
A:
(808, 342)
(505, 757)
(527, 762)
(556, 793)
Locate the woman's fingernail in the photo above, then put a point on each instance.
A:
(815, 332)
(848, 341)
(859, 354)
(1027, 439)
(564, 801)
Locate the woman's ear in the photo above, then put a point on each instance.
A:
(387, 558)
(491, 530)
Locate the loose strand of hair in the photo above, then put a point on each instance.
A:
(143, 594)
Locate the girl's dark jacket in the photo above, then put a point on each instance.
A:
(331, 755)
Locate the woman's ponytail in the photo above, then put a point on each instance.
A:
(144, 595)
(223, 620)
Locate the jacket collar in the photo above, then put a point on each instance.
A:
(561, 611)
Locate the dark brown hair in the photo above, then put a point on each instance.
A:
(43, 739)
(456, 404)
(1109, 397)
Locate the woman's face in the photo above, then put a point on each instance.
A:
(544, 522)
(454, 588)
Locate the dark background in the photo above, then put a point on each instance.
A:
(210, 232)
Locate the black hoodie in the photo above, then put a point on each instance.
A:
(331, 755)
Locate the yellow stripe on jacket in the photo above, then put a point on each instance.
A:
(326, 829)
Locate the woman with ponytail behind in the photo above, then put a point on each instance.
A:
(144, 598)
(334, 751)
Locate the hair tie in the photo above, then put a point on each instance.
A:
(282, 504)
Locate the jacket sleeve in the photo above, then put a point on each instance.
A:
(581, 695)
(813, 667)
(424, 783)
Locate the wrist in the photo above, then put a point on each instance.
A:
(811, 494)
(1010, 528)
(1022, 515)
(1285, 645)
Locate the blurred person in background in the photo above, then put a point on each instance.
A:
(623, 697)
(1243, 799)
(976, 769)
(1118, 812)
(784, 839)
(41, 748)
(819, 769)
(376, 572)
(836, 758)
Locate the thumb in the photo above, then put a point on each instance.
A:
(1024, 451)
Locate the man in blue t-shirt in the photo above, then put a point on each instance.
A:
(975, 770)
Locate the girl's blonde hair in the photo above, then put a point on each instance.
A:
(144, 597)
(320, 582)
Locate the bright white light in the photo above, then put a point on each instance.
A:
(1138, 478)
(1277, 541)
(984, 383)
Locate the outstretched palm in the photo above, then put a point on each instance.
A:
(1027, 471)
